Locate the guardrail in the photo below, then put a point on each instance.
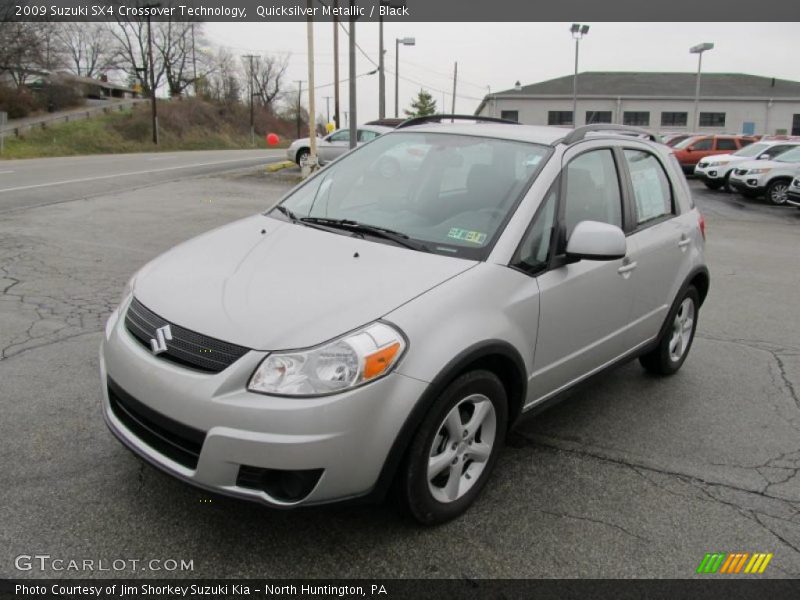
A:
(16, 129)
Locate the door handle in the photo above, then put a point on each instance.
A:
(626, 268)
(685, 241)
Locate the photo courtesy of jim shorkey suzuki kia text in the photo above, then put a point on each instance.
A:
(387, 304)
(179, 590)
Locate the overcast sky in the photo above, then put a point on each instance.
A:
(499, 54)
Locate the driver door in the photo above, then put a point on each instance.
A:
(333, 146)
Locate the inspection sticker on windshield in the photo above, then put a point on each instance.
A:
(476, 237)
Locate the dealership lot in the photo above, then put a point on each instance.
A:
(632, 476)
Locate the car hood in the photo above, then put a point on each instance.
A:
(268, 284)
(759, 164)
(714, 157)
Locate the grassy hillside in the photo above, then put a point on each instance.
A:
(184, 125)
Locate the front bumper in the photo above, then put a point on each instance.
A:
(344, 438)
(793, 197)
(710, 174)
(752, 185)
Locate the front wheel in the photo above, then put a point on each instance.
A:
(713, 185)
(301, 158)
(455, 448)
(777, 192)
(674, 345)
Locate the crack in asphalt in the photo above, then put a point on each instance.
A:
(701, 485)
(591, 520)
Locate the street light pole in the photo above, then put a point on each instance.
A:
(698, 49)
(381, 74)
(352, 82)
(406, 41)
(578, 31)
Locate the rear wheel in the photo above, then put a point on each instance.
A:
(674, 345)
(455, 449)
(776, 192)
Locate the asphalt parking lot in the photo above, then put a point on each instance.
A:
(631, 477)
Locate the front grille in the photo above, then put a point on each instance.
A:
(740, 171)
(174, 440)
(187, 348)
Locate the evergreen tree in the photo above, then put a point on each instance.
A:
(423, 106)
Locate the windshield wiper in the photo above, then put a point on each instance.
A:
(399, 238)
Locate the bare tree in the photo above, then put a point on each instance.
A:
(88, 48)
(21, 50)
(130, 36)
(176, 43)
(222, 77)
(268, 79)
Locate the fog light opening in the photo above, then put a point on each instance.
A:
(283, 485)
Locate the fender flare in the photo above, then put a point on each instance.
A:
(445, 376)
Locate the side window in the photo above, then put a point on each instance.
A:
(365, 135)
(703, 144)
(341, 136)
(592, 190)
(651, 188)
(726, 144)
(533, 253)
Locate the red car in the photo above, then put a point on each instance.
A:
(691, 150)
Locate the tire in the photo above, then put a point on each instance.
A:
(664, 359)
(776, 192)
(726, 187)
(301, 156)
(713, 185)
(456, 444)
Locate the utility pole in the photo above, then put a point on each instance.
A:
(352, 82)
(327, 109)
(299, 105)
(250, 58)
(312, 113)
(154, 110)
(381, 74)
(336, 67)
(194, 64)
(455, 79)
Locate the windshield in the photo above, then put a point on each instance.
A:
(452, 193)
(751, 150)
(791, 156)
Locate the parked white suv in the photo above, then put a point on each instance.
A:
(770, 178)
(389, 321)
(793, 193)
(715, 170)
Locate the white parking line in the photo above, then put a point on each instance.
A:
(85, 179)
(4, 172)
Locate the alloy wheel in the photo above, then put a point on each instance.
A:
(682, 330)
(461, 448)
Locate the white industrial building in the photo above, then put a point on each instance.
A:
(729, 102)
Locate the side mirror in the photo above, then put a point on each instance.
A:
(592, 240)
(689, 149)
(764, 157)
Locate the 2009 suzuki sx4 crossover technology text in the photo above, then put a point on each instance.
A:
(389, 320)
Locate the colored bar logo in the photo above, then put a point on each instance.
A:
(734, 563)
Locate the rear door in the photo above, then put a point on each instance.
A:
(661, 240)
(585, 306)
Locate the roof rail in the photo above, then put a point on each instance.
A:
(579, 133)
(439, 118)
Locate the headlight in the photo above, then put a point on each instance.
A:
(759, 171)
(347, 362)
(718, 163)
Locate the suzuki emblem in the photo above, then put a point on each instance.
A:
(159, 344)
